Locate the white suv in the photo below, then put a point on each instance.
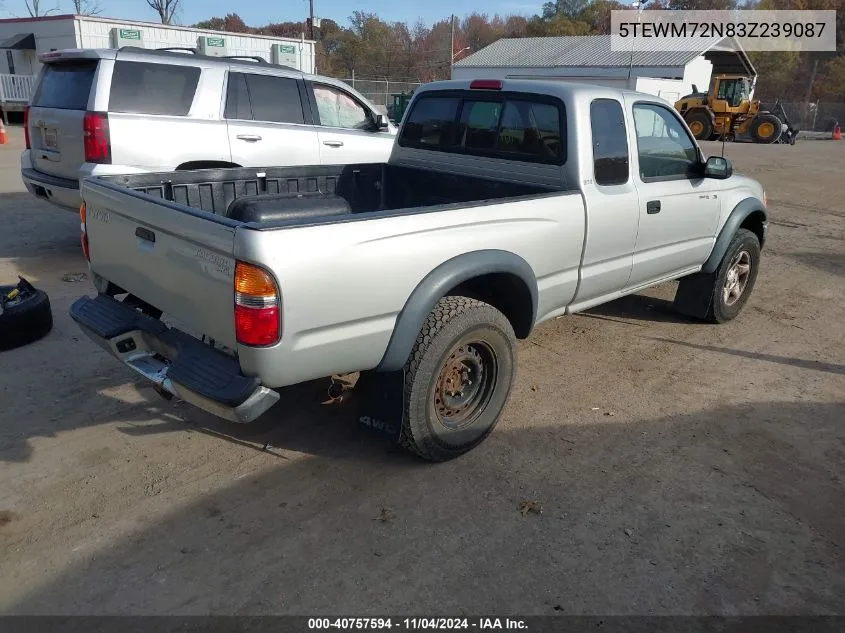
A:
(132, 110)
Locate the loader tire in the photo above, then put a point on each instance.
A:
(700, 124)
(766, 128)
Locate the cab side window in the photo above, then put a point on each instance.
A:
(610, 142)
(665, 150)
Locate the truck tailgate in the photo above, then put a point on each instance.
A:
(178, 259)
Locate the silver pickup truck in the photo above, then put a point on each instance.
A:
(503, 204)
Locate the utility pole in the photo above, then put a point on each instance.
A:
(452, 46)
(311, 21)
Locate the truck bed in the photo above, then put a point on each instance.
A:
(167, 240)
(366, 188)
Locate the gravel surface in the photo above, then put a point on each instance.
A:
(646, 464)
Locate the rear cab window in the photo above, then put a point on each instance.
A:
(610, 142)
(143, 88)
(513, 126)
(65, 85)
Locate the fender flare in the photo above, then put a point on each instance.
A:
(741, 211)
(440, 281)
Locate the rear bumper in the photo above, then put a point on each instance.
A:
(65, 192)
(62, 192)
(173, 361)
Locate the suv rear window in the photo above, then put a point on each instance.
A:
(142, 88)
(513, 126)
(65, 86)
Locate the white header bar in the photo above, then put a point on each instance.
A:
(659, 30)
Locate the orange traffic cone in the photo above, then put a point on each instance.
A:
(4, 138)
(837, 133)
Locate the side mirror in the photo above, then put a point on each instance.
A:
(718, 167)
(382, 122)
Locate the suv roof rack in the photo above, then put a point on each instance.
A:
(178, 48)
(175, 50)
(256, 58)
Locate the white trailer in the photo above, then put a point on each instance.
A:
(22, 40)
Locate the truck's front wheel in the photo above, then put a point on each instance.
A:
(458, 378)
(735, 277)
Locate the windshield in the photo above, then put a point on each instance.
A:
(734, 91)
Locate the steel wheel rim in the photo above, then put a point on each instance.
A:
(696, 127)
(465, 384)
(739, 272)
(766, 129)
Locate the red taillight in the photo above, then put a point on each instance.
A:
(486, 84)
(257, 326)
(83, 226)
(257, 311)
(95, 130)
(26, 127)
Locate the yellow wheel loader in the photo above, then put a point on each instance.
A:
(727, 111)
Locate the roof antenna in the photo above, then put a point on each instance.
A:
(639, 5)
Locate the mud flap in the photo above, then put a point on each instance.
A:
(380, 403)
(694, 295)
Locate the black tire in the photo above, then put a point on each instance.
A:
(462, 338)
(722, 310)
(761, 121)
(29, 320)
(703, 118)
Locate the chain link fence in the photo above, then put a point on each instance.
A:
(813, 116)
(380, 91)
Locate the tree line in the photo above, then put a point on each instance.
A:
(374, 48)
(403, 51)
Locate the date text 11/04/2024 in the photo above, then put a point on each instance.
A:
(413, 624)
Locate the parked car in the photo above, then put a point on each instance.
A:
(503, 205)
(134, 110)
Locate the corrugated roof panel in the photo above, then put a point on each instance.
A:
(576, 51)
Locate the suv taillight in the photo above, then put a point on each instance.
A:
(257, 311)
(95, 130)
(26, 127)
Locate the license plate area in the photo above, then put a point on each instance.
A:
(50, 136)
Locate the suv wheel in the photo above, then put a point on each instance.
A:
(458, 378)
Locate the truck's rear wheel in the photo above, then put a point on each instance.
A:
(457, 379)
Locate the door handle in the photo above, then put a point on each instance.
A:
(249, 138)
(333, 143)
(652, 207)
(145, 234)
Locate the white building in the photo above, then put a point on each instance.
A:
(589, 58)
(23, 39)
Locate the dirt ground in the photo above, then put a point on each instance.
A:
(681, 468)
